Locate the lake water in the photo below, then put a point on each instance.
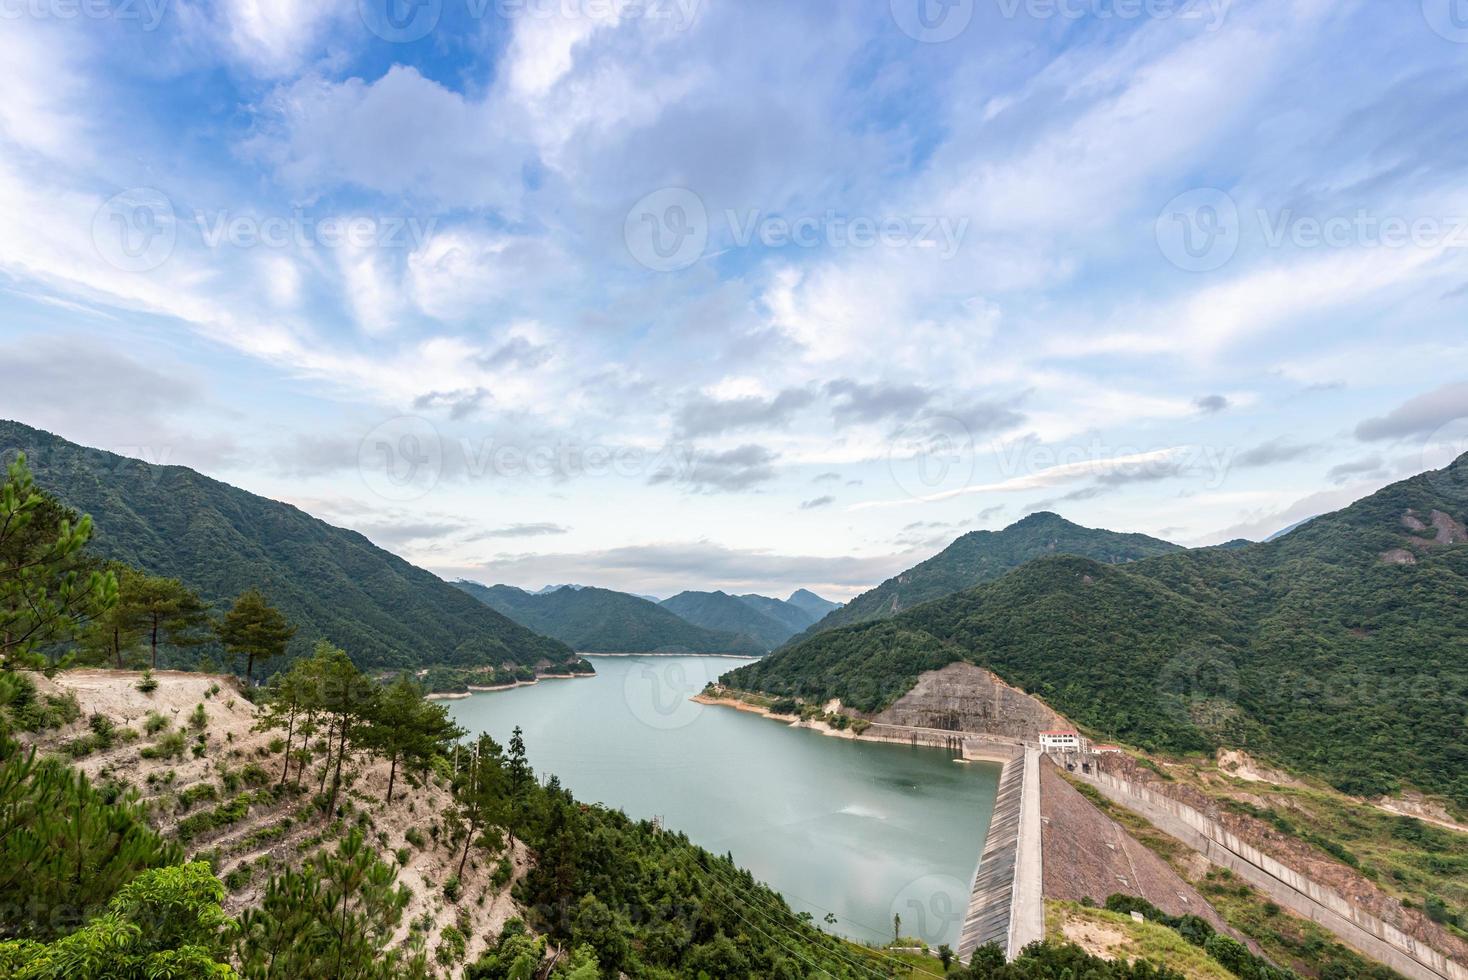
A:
(861, 830)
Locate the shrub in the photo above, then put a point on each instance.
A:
(148, 683)
(170, 746)
(451, 888)
(199, 718)
(154, 723)
(415, 837)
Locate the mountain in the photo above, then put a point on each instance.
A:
(792, 617)
(814, 605)
(1286, 530)
(982, 556)
(603, 621)
(332, 583)
(1337, 650)
(735, 614)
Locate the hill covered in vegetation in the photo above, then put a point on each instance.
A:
(603, 621)
(220, 541)
(755, 616)
(1338, 649)
(982, 556)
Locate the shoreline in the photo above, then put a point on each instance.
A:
(728, 656)
(480, 689)
(824, 728)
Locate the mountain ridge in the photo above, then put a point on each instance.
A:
(220, 540)
(1336, 650)
(605, 621)
(982, 556)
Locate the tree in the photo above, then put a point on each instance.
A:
(110, 636)
(480, 796)
(945, 956)
(347, 696)
(165, 610)
(335, 917)
(896, 927)
(254, 628)
(409, 730)
(166, 922)
(65, 850)
(47, 589)
(288, 698)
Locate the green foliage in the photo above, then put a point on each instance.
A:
(983, 556)
(172, 522)
(164, 611)
(408, 730)
(65, 850)
(165, 923)
(1310, 650)
(738, 616)
(170, 746)
(48, 588)
(23, 708)
(603, 621)
(255, 628)
(333, 918)
(1057, 961)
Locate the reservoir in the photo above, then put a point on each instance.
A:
(858, 830)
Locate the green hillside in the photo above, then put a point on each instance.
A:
(1340, 649)
(332, 583)
(982, 556)
(813, 605)
(603, 621)
(792, 617)
(732, 614)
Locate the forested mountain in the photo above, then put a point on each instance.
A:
(734, 614)
(603, 621)
(1339, 649)
(982, 556)
(814, 605)
(792, 617)
(330, 582)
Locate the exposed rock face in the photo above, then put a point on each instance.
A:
(962, 697)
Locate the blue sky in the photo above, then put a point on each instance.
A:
(701, 294)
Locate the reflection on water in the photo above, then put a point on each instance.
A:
(862, 830)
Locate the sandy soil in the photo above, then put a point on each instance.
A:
(232, 743)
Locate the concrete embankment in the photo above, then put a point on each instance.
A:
(1006, 907)
(1379, 940)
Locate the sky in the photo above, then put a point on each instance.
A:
(743, 295)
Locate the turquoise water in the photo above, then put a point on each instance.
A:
(861, 830)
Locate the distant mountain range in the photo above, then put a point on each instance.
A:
(814, 605)
(331, 582)
(602, 621)
(769, 621)
(1337, 649)
(982, 556)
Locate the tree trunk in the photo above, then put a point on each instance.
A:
(290, 730)
(117, 645)
(326, 766)
(153, 659)
(250, 669)
(392, 774)
(468, 841)
(336, 779)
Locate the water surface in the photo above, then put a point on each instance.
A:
(861, 830)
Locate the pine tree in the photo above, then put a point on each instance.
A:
(254, 628)
(408, 729)
(164, 609)
(65, 850)
(48, 590)
(480, 795)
